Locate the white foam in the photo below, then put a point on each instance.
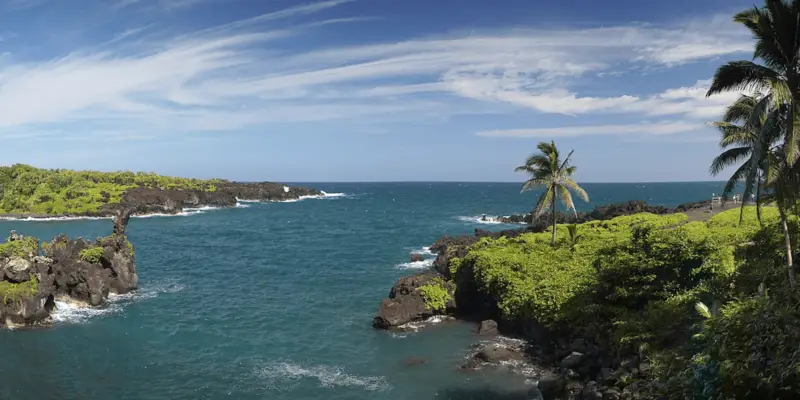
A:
(242, 205)
(428, 263)
(286, 189)
(50, 219)
(72, 312)
(277, 373)
(238, 200)
(324, 195)
(478, 219)
(425, 251)
(415, 326)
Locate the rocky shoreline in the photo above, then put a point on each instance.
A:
(564, 367)
(33, 276)
(148, 201)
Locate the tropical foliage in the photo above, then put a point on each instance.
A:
(547, 170)
(25, 189)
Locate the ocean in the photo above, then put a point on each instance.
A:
(275, 301)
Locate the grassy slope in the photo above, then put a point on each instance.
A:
(29, 190)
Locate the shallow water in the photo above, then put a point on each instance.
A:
(274, 301)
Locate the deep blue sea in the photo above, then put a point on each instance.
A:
(275, 301)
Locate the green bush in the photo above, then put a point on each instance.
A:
(20, 248)
(437, 294)
(92, 255)
(13, 292)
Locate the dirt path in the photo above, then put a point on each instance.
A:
(703, 214)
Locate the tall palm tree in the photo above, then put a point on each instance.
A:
(741, 129)
(547, 170)
(776, 29)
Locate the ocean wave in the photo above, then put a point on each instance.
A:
(478, 219)
(51, 219)
(425, 251)
(277, 374)
(417, 264)
(69, 311)
(242, 205)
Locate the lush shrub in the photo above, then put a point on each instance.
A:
(13, 292)
(437, 294)
(20, 248)
(92, 255)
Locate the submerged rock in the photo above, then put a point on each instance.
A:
(73, 270)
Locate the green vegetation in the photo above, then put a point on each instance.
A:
(548, 170)
(634, 284)
(26, 189)
(13, 292)
(92, 254)
(437, 294)
(20, 248)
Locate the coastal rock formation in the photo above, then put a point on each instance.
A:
(601, 213)
(70, 270)
(146, 200)
(406, 303)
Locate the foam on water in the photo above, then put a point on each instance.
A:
(417, 264)
(415, 326)
(478, 219)
(50, 219)
(72, 312)
(279, 374)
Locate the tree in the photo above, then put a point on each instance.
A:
(776, 29)
(547, 170)
(741, 130)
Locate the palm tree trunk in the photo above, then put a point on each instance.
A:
(787, 238)
(553, 242)
(758, 200)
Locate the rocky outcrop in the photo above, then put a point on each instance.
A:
(604, 212)
(146, 200)
(405, 303)
(32, 278)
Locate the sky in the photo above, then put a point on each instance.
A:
(365, 90)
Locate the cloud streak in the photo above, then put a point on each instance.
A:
(243, 74)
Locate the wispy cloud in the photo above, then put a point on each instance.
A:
(241, 74)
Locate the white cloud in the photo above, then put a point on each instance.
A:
(572, 131)
(237, 75)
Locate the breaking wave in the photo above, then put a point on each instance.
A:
(279, 375)
(427, 263)
(479, 219)
(415, 326)
(68, 311)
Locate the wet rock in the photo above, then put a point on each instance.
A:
(571, 361)
(487, 327)
(552, 387)
(417, 257)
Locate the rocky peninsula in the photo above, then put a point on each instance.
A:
(33, 193)
(569, 364)
(33, 277)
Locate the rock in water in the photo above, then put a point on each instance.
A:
(487, 327)
(73, 269)
(405, 303)
(121, 220)
(417, 257)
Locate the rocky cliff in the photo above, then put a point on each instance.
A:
(33, 277)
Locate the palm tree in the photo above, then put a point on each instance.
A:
(741, 129)
(776, 29)
(547, 170)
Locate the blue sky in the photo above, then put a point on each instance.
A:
(365, 90)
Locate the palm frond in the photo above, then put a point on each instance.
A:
(570, 184)
(566, 199)
(545, 202)
(729, 157)
(742, 76)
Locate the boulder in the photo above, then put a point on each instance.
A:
(573, 360)
(487, 327)
(494, 354)
(17, 269)
(552, 387)
(591, 391)
(415, 257)
(405, 303)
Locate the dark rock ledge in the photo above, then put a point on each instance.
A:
(33, 276)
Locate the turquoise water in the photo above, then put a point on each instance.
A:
(275, 301)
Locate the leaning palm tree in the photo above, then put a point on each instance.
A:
(547, 170)
(741, 129)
